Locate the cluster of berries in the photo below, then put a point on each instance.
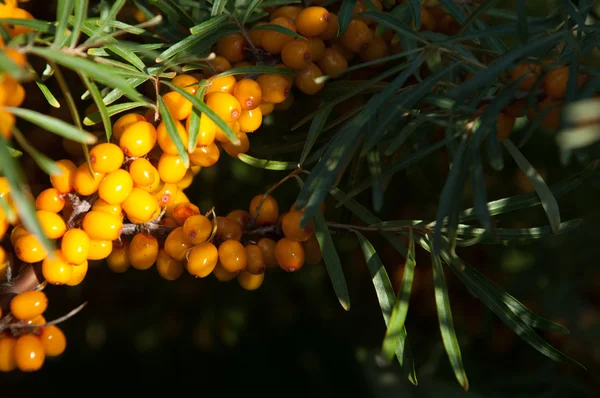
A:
(25, 338)
(12, 93)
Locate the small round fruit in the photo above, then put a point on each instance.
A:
(78, 274)
(115, 187)
(7, 356)
(205, 156)
(232, 47)
(267, 247)
(51, 200)
(269, 210)
(249, 281)
(274, 87)
(106, 158)
(54, 340)
(242, 146)
(52, 224)
(256, 263)
(290, 12)
(357, 36)
(29, 249)
(167, 194)
(182, 211)
(138, 139)
(305, 80)
(118, 259)
(332, 62)
(312, 21)
(84, 182)
(99, 249)
(317, 48)
(143, 173)
(531, 72)
(225, 105)
(266, 108)
(232, 255)
(296, 54)
(331, 31)
(239, 216)
(312, 251)
(222, 274)
(64, 181)
(75, 245)
(198, 228)
(187, 82)
(248, 93)
(292, 229)
(202, 259)
(102, 226)
(56, 271)
(179, 107)
(29, 353)
(221, 84)
(164, 139)
(555, 82)
(143, 251)
(273, 41)
(123, 122)
(140, 205)
(168, 268)
(114, 210)
(289, 254)
(28, 305)
(177, 244)
(171, 168)
(206, 130)
(228, 229)
(216, 65)
(251, 120)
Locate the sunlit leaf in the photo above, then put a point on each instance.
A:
(94, 118)
(218, 7)
(207, 26)
(47, 94)
(79, 14)
(267, 164)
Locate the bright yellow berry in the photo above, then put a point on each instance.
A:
(51, 200)
(206, 130)
(102, 206)
(99, 249)
(225, 105)
(177, 244)
(232, 255)
(64, 182)
(115, 187)
(124, 121)
(53, 339)
(167, 194)
(179, 106)
(197, 229)
(52, 224)
(187, 180)
(102, 226)
(106, 158)
(140, 205)
(171, 168)
(84, 182)
(186, 82)
(167, 267)
(7, 357)
(75, 245)
(29, 353)
(28, 305)
(202, 259)
(56, 271)
(205, 156)
(250, 281)
(250, 120)
(138, 139)
(118, 259)
(78, 274)
(164, 139)
(143, 251)
(29, 249)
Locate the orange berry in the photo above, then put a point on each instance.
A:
(504, 126)
(357, 36)
(332, 62)
(50, 200)
(222, 274)
(57, 271)
(102, 226)
(249, 281)
(75, 245)
(53, 339)
(516, 109)
(182, 211)
(312, 21)
(232, 255)
(337, 44)
(248, 93)
(234, 150)
(206, 130)
(555, 82)
(142, 172)
(197, 228)
(377, 49)
(267, 247)
(239, 216)
(78, 274)
(333, 26)
(228, 229)
(292, 229)
(177, 244)
(225, 105)
(106, 158)
(164, 139)
(551, 120)
(140, 205)
(266, 108)
(179, 107)
(7, 357)
(17, 232)
(274, 87)
(124, 121)
(171, 168)
(167, 194)
(289, 254)
(138, 139)
(28, 305)
(16, 30)
(102, 206)
(269, 210)
(202, 259)
(143, 251)
(220, 134)
(531, 72)
(221, 84)
(52, 224)
(256, 35)
(273, 41)
(205, 156)
(317, 48)
(312, 250)
(256, 263)
(428, 22)
(118, 259)
(251, 120)
(7, 121)
(63, 183)
(29, 249)
(232, 47)
(84, 182)
(216, 65)
(29, 353)
(305, 80)
(289, 11)
(115, 187)
(296, 54)
(168, 268)
(99, 249)
(187, 82)
(186, 181)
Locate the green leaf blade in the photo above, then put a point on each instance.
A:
(169, 122)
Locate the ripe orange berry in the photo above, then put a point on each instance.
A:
(7, 357)
(232, 47)
(168, 268)
(57, 271)
(269, 210)
(256, 263)
(239, 216)
(305, 80)
(16, 30)
(166, 195)
(274, 87)
(317, 48)
(198, 228)
(266, 108)
(357, 36)
(28, 305)
(290, 12)
(78, 274)
(225, 105)
(84, 182)
(273, 41)
(555, 82)
(115, 187)
(216, 65)
(312, 21)
(177, 244)
(504, 126)
(378, 48)
(248, 93)
(171, 168)
(234, 150)
(289, 254)
(143, 251)
(140, 205)
(124, 121)
(296, 54)
(50, 200)
(516, 109)
(206, 130)
(179, 107)
(63, 183)
(17, 232)
(249, 281)
(292, 229)
(29, 249)
(251, 120)
(187, 82)
(182, 211)
(138, 139)
(228, 229)
(102, 206)
(53, 339)
(222, 274)
(52, 224)
(232, 255)
(332, 62)
(202, 259)
(312, 250)
(551, 120)
(186, 181)
(29, 353)
(205, 156)
(220, 134)
(164, 139)
(142, 172)
(118, 259)
(102, 226)
(106, 158)
(337, 44)
(221, 84)
(531, 72)
(267, 247)
(256, 35)
(331, 31)
(75, 245)
(99, 249)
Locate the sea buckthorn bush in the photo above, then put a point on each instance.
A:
(119, 121)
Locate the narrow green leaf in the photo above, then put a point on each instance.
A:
(415, 10)
(54, 125)
(104, 116)
(403, 135)
(313, 133)
(548, 200)
(505, 235)
(35, 24)
(522, 23)
(267, 164)
(79, 15)
(45, 163)
(173, 133)
(332, 261)
(345, 15)
(280, 29)
(110, 16)
(218, 7)
(251, 7)
(374, 163)
(47, 94)
(479, 192)
(191, 41)
(64, 9)
(207, 26)
(244, 70)
(478, 13)
(94, 118)
(442, 301)
(117, 93)
(194, 129)
(393, 23)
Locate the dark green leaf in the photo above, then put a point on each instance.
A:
(64, 9)
(46, 164)
(479, 192)
(251, 7)
(478, 13)
(415, 10)
(112, 110)
(79, 14)
(374, 163)
(345, 15)
(207, 26)
(117, 93)
(167, 119)
(504, 235)
(389, 21)
(243, 70)
(313, 133)
(47, 94)
(35, 24)
(194, 129)
(402, 135)
(218, 7)
(104, 116)
(110, 16)
(280, 29)
(522, 23)
(267, 164)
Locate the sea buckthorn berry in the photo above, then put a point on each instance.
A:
(52, 224)
(266, 108)
(143, 251)
(221, 84)
(267, 247)
(357, 36)
(205, 156)
(28, 305)
(290, 12)
(216, 65)
(198, 228)
(177, 244)
(312, 250)
(332, 62)
(63, 183)
(182, 211)
(7, 357)
(228, 229)
(531, 72)
(202, 259)
(186, 82)
(305, 80)
(102, 226)
(312, 21)
(35, 321)
(164, 139)
(361, 7)
(239, 216)
(167, 194)
(296, 54)
(56, 271)
(106, 158)
(186, 181)
(124, 121)
(225, 105)
(99, 249)
(504, 126)
(220, 135)
(251, 120)
(179, 107)
(51, 200)
(171, 168)
(232, 255)
(273, 41)
(256, 263)
(317, 48)
(168, 268)
(140, 205)
(156, 186)
(274, 87)
(7, 121)
(118, 259)
(249, 281)
(551, 120)
(256, 35)
(555, 82)
(206, 130)
(232, 47)
(4, 187)
(292, 229)
(29, 249)
(78, 273)
(142, 172)
(428, 22)
(29, 353)
(333, 26)
(248, 93)
(376, 50)
(289, 254)
(115, 187)
(234, 150)
(348, 54)
(84, 182)
(17, 232)
(516, 109)
(16, 30)
(222, 274)
(53, 339)
(269, 210)
(102, 206)
(138, 139)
